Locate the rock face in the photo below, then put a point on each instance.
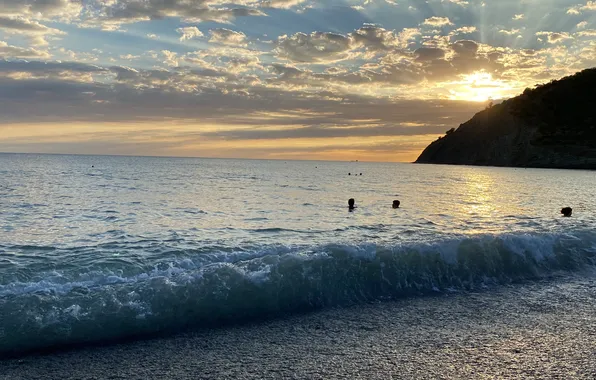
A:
(551, 126)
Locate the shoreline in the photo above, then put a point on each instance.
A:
(545, 329)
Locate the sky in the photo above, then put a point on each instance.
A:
(368, 80)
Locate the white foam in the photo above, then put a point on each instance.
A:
(540, 246)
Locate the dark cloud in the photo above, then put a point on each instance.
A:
(325, 47)
(131, 11)
(373, 37)
(43, 8)
(314, 47)
(465, 48)
(429, 54)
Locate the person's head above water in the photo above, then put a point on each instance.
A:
(567, 211)
(351, 203)
(396, 204)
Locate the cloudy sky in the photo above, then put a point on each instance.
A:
(331, 79)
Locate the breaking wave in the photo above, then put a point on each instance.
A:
(57, 309)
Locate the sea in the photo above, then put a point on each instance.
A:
(96, 249)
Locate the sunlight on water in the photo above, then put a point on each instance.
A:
(479, 196)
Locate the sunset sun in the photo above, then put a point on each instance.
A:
(480, 86)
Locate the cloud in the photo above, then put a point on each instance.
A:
(33, 30)
(429, 54)
(227, 37)
(376, 38)
(465, 30)
(171, 58)
(56, 72)
(24, 25)
(553, 37)
(589, 6)
(189, 32)
(462, 3)
(511, 32)
(8, 51)
(437, 21)
(129, 57)
(314, 47)
(113, 13)
(281, 3)
(229, 58)
(324, 47)
(64, 10)
(465, 48)
(155, 94)
(587, 33)
(46, 69)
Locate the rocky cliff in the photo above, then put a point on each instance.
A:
(551, 126)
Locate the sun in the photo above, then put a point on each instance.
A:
(479, 86)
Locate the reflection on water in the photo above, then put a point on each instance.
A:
(479, 195)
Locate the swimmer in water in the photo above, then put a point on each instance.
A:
(351, 204)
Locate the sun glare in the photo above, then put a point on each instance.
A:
(479, 87)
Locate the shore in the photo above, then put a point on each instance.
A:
(538, 330)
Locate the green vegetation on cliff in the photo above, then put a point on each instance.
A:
(551, 126)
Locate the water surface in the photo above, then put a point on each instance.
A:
(95, 248)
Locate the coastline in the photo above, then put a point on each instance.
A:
(545, 329)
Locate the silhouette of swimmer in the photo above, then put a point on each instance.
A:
(351, 205)
(396, 204)
(566, 211)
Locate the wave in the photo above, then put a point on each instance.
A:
(100, 306)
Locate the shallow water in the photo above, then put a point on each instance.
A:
(95, 248)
